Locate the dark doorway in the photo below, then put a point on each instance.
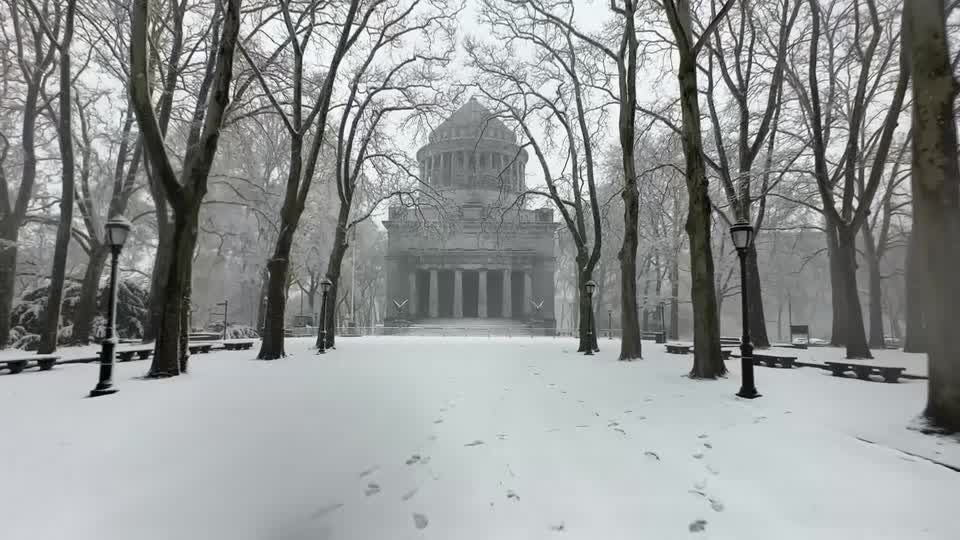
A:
(423, 293)
(445, 288)
(471, 293)
(495, 293)
(516, 286)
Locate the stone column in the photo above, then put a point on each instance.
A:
(482, 296)
(458, 293)
(412, 303)
(507, 295)
(527, 292)
(434, 294)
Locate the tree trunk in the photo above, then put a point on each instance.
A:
(51, 331)
(915, 340)
(87, 307)
(707, 362)
(675, 298)
(8, 275)
(838, 295)
(936, 203)
(171, 353)
(876, 294)
(337, 253)
(158, 278)
(755, 314)
(847, 255)
(272, 346)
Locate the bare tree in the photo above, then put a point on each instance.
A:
(524, 98)
(936, 201)
(300, 21)
(185, 195)
(48, 340)
(35, 52)
(707, 362)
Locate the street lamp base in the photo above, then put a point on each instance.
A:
(748, 393)
(105, 391)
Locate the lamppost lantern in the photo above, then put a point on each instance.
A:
(118, 228)
(325, 285)
(742, 234)
(590, 286)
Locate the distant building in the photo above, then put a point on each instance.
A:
(469, 251)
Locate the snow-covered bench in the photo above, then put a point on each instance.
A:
(237, 344)
(659, 337)
(202, 347)
(16, 364)
(126, 354)
(678, 348)
(863, 371)
(774, 360)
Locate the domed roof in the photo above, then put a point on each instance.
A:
(468, 122)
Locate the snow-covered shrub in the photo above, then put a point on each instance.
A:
(30, 309)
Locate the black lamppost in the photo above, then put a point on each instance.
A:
(742, 234)
(610, 323)
(117, 230)
(325, 285)
(590, 286)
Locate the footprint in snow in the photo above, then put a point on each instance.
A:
(759, 419)
(420, 521)
(698, 526)
(613, 423)
(559, 527)
(372, 489)
(553, 430)
(702, 436)
(324, 510)
(409, 495)
(628, 411)
(369, 471)
(477, 442)
(512, 495)
(620, 430)
(583, 426)
(716, 505)
(413, 459)
(438, 421)
(652, 455)
(712, 471)
(698, 455)
(502, 436)
(707, 445)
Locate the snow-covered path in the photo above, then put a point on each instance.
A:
(465, 438)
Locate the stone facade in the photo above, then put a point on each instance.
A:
(466, 250)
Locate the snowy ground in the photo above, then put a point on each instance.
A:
(469, 438)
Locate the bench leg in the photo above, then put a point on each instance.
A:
(890, 376)
(862, 373)
(143, 355)
(45, 365)
(837, 371)
(17, 367)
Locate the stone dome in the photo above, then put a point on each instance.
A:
(474, 156)
(473, 120)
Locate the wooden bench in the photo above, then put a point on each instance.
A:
(678, 348)
(659, 337)
(237, 344)
(196, 348)
(729, 341)
(771, 360)
(126, 354)
(863, 371)
(17, 364)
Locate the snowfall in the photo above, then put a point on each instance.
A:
(469, 438)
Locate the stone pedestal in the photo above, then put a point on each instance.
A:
(507, 294)
(434, 295)
(482, 300)
(458, 293)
